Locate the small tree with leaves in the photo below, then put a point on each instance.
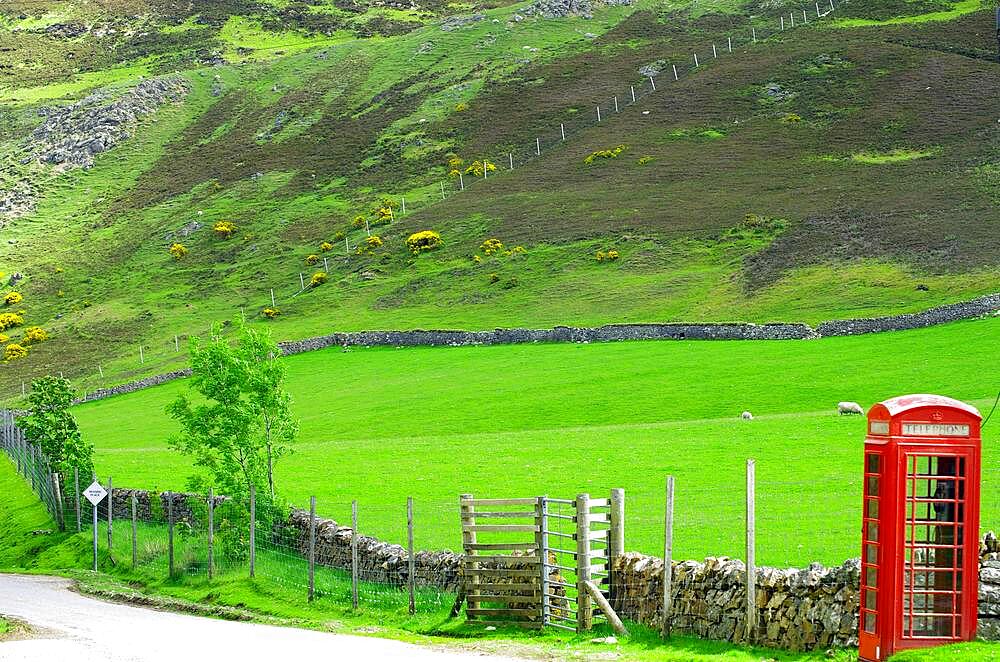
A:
(51, 426)
(241, 424)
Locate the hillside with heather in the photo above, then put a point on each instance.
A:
(167, 165)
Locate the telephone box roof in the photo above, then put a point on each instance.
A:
(903, 403)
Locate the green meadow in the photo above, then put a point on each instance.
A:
(381, 424)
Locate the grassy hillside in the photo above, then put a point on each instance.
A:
(381, 424)
(865, 148)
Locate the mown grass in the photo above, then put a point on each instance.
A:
(958, 9)
(382, 424)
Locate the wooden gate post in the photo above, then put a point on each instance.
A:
(411, 580)
(170, 535)
(616, 537)
(751, 551)
(76, 497)
(469, 538)
(354, 553)
(542, 543)
(312, 548)
(135, 532)
(668, 554)
(584, 607)
(60, 519)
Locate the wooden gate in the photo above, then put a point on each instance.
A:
(540, 561)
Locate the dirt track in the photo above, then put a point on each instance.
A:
(69, 626)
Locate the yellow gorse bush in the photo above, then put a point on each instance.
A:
(13, 298)
(369, 244)
(4, 338)
(35, 334)
(609, 256)
(312, 259)
(326, 247)
(178, 251)
(14, 351)
(478, 167)
(317, 279)
(491, 246)
(10, 320)
(425, 240)
(225, 229)
(270, 313)
(613, 153)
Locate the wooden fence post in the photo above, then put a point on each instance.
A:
(412, 580)
(584, 607)
(76, 498)
(94, 511)
(354, 553)
(542, 542)
(57, 494)
(135, 531)
(751, 551)
(668, 554)
(616, 536)
(111, 517)
(312, 548)
(211, 531)
(469, 538)
(170, 535)
(253, 530)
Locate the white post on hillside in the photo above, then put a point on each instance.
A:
(442, 190)
(177, 343)
(302, 279)
(715, 53)
(791, 15)
(805, 16)
(510, 157)
(326, 266)
(272, 298)
(696, 59)
(616, 104)
(817, 10)
(24, 389)
(652, 83)
(632, 90)
(367, 230)
(100, 371)
(598, 113)
(461, 182)
(538, 147)
(402, 208)
(782, 22)
(753, 31)
(676, 77)
(562, 130)
(142, 359)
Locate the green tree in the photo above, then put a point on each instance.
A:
(51, 426)
(241, 423)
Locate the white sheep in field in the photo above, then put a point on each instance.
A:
(849, 408)
(746, 416)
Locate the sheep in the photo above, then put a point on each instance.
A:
(746, 416)
(849, 408)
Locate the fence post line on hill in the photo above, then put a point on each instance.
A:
(751, 563)
(562, 129)
(753, 33)
(135, 531)
(302, 279)
(695, 59)
(584, 617)
(538, 147)
(253, 529)
(616, 537)
(76, 497)
(730, 44)
(668, 555)
(211, 531)
(461, 182)
(632, 90)
(652, 83)
(467, 512)
(170, 535)
(542, 542)
(715, 52)
(312, 548)
(111, 517)
(412, 561)
(782, 22)
(676, 77)
(510, 158)
(354, 553)
(598, 113)
(805, 16)
(402, 208)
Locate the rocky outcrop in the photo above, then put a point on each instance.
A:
(71, 136)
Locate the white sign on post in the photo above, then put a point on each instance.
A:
(95, 493)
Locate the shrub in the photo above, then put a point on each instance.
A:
(609, 256)
(312, 259)
(459, 107)
(384, 211)
(58, 270)
(270, 312)
(510, 284)
(177, 251)
(476, 259)
(491, 246)
(425, 240)
(494, 278)
(10, 320)
(224, 229)
(791, 118)
(518, 250)
(643, 160)
(12, 299)
(479, 167)
(35, 334)
(613, 153)
(326, 246)
(339, 236)
(370, 244)
(4, 338)
(14, 351)
(317, 279)
(359, 221)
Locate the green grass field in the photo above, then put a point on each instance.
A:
(382, 424)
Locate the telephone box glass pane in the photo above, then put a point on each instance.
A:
(935, 512)
(872, 485)
(873, 464)
(869, 622)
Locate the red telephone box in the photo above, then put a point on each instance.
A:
(920, 531)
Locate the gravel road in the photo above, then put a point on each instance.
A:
(69, 626)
